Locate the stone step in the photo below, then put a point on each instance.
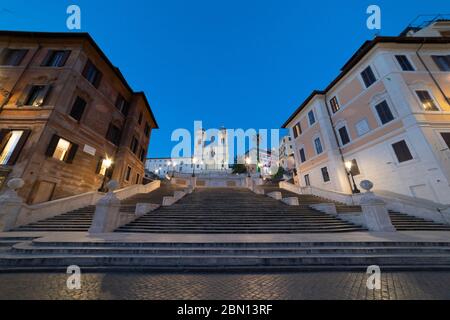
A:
(219, 261)
(28, 248)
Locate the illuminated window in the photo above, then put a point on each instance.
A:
(428, 103)
(62, 148)
(10, 146)
(334, 105)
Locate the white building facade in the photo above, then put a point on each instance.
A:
(385, 118)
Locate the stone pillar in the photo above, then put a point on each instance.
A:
(107, 211)
(375, 214)
(10, 205)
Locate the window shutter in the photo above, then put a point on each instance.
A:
(40, 100)
(19, 147)
(23, 97)
(86, 68)
(64, 59)
(4, 137)
(72, 153)
(99, 165)
(98, 79)
(52, 146)
(47, 58)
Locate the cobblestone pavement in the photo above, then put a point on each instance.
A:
(264, 286)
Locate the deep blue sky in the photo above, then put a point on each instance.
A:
(236, 63)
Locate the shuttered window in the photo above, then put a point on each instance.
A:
(302, 155)
(78, 108)
(443, 62)
(384, 112)
(325, 174)
(343, 134)
(35, 95)
(11, 145)
(61, 149)
(334, 105)
(56, 58)
(368, 77)
(12, 57)
(122, 105)
(427, 101)
(402, 151)
(404, 63)
(114, 134)
(92, 74)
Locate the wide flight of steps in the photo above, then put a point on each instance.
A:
(401, 221)
(221, 256)
(232, 210)
(81, 219)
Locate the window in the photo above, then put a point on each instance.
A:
(402, 151)
(128, 174)
(92, 74)
(143, 154)
(78, 108)
(443, 62)
(122, 105)
(362, 127)
(36, 95)
(384, 112)
(446, 137)
(103, 166)
(404, 63)
(114, 134)
(134, 145)
(12, 57)
(343, 133)
(138, 178)
(325, 174)
(302, 155)
(147, 130)
(318, 145)
(368, 77)
(311, 117)
(61, 149)
(56, 58)
(140, 118)
(307, 181)
(334, 105)
(427, 101)
(297, 130)
(11, 144)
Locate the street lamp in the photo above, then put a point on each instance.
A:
(174, 164)
(106, 164)
(349, 166)
(194, 160)
(247, 165)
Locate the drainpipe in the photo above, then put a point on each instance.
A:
(337, 141)
(430, 74)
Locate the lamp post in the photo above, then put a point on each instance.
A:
(247, 166)
(174, 164)
(194, 160)
(259, 169)
(107, 163)
(349, 166)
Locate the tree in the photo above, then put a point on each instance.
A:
(239, 169)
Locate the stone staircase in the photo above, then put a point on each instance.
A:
(235, 211)
(401, 221)
(222, 255)
(81, 219)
